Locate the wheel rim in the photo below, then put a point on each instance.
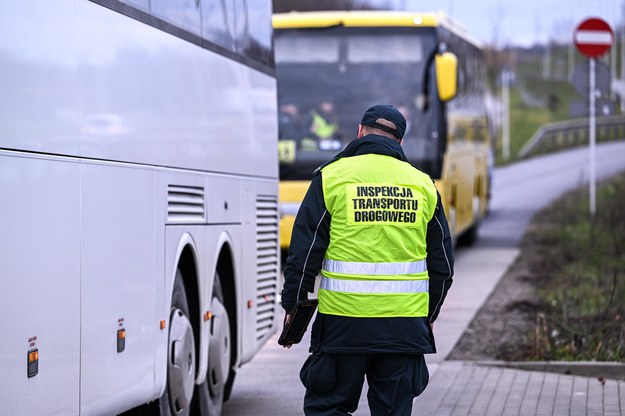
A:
(219, 349)
(181, 363)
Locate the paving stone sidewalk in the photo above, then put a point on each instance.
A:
(465, 388)
(460, 388)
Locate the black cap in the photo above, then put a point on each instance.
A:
(387, 112)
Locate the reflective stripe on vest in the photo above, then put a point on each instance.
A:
(374, 269)
(375, 286)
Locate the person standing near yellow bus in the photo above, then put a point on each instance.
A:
(375, 228)
(324, 125)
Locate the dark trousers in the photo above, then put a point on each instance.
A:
(334, 382)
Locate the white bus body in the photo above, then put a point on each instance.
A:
(130, 154)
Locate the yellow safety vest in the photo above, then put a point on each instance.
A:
(375, 264)
(321, 127)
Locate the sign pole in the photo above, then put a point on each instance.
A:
(593, 37)
(592, 139)
(505, 125)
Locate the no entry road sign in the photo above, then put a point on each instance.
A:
(593, 37)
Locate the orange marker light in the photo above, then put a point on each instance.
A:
(163, 324)
(250, 304)
(208, 316)
(32, 367)
(121, 340)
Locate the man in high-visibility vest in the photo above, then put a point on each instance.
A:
(375, 228)
(324, 124)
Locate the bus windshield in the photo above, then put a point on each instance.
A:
(328, 77)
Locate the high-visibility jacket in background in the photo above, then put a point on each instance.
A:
(324, 129)
(375, 264)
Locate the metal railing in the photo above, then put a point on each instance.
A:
(570, 133)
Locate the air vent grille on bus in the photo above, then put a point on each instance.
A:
(267, 262)
(185, 204)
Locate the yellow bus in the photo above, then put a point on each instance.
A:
(331, 66)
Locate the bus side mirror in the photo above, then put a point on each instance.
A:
(446, 75)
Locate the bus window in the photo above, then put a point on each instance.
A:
(337, 73)
(254, 31)
(139, 4)
(184, 14)
(218, 23)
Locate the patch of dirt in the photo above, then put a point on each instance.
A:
(502, 328)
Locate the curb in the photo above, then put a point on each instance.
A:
(609, 369)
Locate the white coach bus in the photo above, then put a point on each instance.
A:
(139, 251)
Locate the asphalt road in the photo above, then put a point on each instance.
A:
(269, 385)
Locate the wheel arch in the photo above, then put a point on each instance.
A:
(224, 264)
(227, 274)
(187, 264)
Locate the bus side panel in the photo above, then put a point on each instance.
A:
(456, 186)
(192, 232)
(40, 275)
(120, 274)
(464, 160)
(38, 92)
(261, 262)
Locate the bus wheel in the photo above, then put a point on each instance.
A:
(181, 355)
(472, 234)
(219, 355)
(451, 223)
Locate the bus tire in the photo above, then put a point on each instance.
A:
(178, 395)
(470, 236)
(211, 393)
(451, 223)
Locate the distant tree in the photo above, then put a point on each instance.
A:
(282, 6)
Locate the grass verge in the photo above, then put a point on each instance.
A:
(580, 273)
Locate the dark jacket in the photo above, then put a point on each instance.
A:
(309, 241)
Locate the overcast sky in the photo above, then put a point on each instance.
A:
(519, 22)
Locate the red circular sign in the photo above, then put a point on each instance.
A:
(593, 37)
